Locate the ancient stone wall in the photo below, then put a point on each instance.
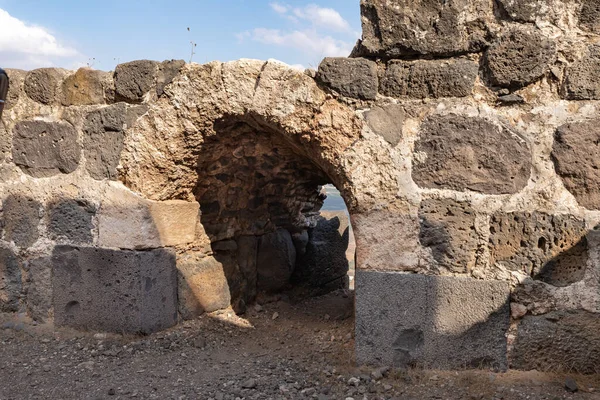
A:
(463, 136)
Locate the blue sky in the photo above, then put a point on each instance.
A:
(73, 33)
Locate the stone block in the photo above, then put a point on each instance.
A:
(43, 149)
(16, 79)
(167, 71)
(519, 58)
(565, 341)
(103, 132)
(114, 290)
(276, 260)
(551, 248)
(409, 320)
(10, 281)
(42, 85)
(247, 255)
(38, 289)
(581, 78)
(133, 80)
(589, 16)
(202, 285)
(356, 78)
(127, 221)
(84, 87)
(576, 161)
(387, 121)
(426, 79)
(523, 10)
(470, 153)
(400, 28)
(20, 220)
(71, 220)
(448, 230)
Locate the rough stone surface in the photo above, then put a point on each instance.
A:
(10, 281)
(71, 220)
(407, 27)
(387, 121)
(39, 288)
(247, 254)
(276, 260)
(20, 220)
(126, 221)
(84, 87)
(433, 322)
(448, 230)
(167, 71)
(133, 80)
(589, 16)
(42, 85)
(43, 149)
(114, 290)
(202, 284)
(522, 10)
(463, 153)
(519, 58)
(551, 248)
(355, 78)
(423, 79)
(103, 141)
(16, 79)
(581, 80)
(558, 341)
(575, 156)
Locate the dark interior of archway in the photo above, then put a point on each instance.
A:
(260, 199)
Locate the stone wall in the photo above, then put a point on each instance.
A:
(462, 134)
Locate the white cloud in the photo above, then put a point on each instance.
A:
(326, 18)
(28, 46)
(308, 41)
(279, 8)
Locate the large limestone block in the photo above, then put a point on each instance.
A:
(392, 29)
(566, 341)
(10, 281)
(127, 221)
(84, 87)
(581, 78)
(350, 77)
(470, 153)
(433, 322)
(43, 149)
(276, 260)
(575, 157)
(551, 248)
(114, 290)
(20, 219)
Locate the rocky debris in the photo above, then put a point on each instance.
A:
(448, 230)
(560, 340)
(43, 149)
(84, 87)
(71, 220)
(276, 260)
(43, 85)
(551, 248)
(103, 141)
(575, 158)
(518, 58)
(20, 219)
(356, 78)
(589, 16)
(429, 79)
(571, 385)
(463, 153)
(387, 121)
(581, 80)
(10, 281)
(133, 80)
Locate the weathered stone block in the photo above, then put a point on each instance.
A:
(114, 290)
(424, 79)
(247, 255)
(103, 141)
(202, 285)
(448, 230)
(581, 78)
(551, 248)
(129, 222)
(84, 87)
(576, 160)
(387, 121)
(276, 260)
(20, 220)
(133, 80)
(559, 341)
(433, 322)
(39, 288)
(42, 85)
(10, 281)
(392, 29)
(16, 79)
(44, 149)
(589, 16)
(167, 71)
(71, 220)
(519, 58)
(523, 10)
(470, 153)
(355, 78)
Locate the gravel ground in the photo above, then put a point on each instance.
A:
(279, 350)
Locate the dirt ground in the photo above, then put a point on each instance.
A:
(281, 349)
